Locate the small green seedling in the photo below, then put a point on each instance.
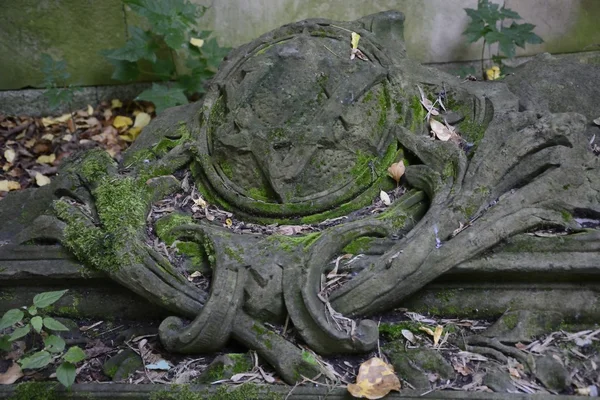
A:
(171, 48)
(487, 22)
(57, 92)
(31, 320)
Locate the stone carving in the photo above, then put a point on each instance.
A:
(293, 131)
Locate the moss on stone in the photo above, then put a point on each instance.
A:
(418, 113)
(165, 225)
(121, 205)
(359, 245)
(192, 250)
(246, 391)
(234, 254)
(35, 391)
(292, 243)
(510, 320)
(393, 331)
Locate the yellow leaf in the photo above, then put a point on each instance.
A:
(493, 73)
(41, 180)
(90, 110)
(7, 186)
(355, 39)
(437, 334)
(396, 170)
(116, 103)
(53, 121)
(375, 380)
(426, 329)
(10, 155)
(122, 122)
(46, 159)
(134, 132)
(197, 42)
(126, 138)
(141, 120)
(228, 222)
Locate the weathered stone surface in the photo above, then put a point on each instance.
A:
(289, 133)
(552, 373)
(119, 367)
(499, 381)
(414, 365)
(523, 325)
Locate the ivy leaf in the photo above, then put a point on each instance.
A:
(140, 46)
(11, 317)
(55, 72)
(19, 333)
(36, 360)
(512, 36)
(74, 355)
(54, 344)
(54, 325)
(164, 69)
(66, 373)
(125, 71)
(58, 96)
(163, 97)
(37, 323)
(48, 298)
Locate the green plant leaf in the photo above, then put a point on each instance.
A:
(54, 344)
(11, 317)
(54, 325)
(164, 69)
(125, 71)
(57, 97)
(5, 344)
(55, 72)
(213, 53)
(163, 97)
(37, 323)
(66, 373)
(74, 355)
(32, 310)
(20, 332)
(140, 46)
(48, 298)
(36, 360)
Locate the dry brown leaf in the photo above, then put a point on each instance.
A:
(429, 107)
(11, 375)
(48, 136)
(7, 186)
(41, 180)
(10, 155)
(396, 170)
(440, 130)
(46, 159)
(375, 380)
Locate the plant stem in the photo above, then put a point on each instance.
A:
(483, 55)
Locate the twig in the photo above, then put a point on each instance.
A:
(16, 129)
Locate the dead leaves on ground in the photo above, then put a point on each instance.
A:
(34, 147)
(375, 379)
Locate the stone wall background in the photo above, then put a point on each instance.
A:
(76, 30)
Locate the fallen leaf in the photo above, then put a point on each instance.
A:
(11, 375)
(440, 130)
(597, 121)
(116, 103)
(493, 73)
(46, 159)
(197, 42)
(355, 39)
(437, 334)
(408, 335)
(41, 180)
(48, 136)
(228, 222)
(396, 170)
(10, 155)
(289, 230)
(90, 110)
(7, 186)
(122, 122)
(385, 198)
(141, 120)
(426, 330)
(71, 125)
(375, 380)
